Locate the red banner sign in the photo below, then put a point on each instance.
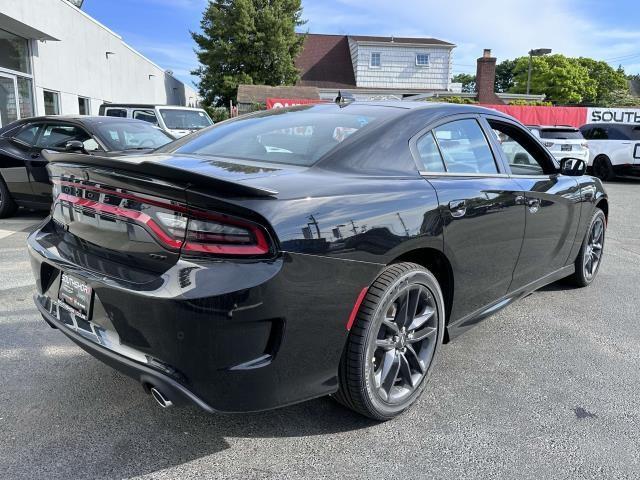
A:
(290, 102)
(574, 116)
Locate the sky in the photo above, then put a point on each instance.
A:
(605, 30)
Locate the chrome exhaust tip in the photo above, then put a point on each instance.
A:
(160, 399)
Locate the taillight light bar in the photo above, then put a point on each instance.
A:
(174, 225)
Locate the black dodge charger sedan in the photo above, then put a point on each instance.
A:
(319, 250)
(24, 180)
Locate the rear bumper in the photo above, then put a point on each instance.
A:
(147, 376)
(228, 336)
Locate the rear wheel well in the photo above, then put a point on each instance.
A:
(437, 263)
(603, 205)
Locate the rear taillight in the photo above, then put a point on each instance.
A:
(224, 236)
(584, 145)
(172, 224)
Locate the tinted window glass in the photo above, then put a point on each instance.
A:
(296, 137)
(57, 136)
(51, 103)
(599, 133)
(116, 112)
(184, 119)
(635, 133)
(28, 134)
(14, 52)
(129, 135)
(558, 134)
(429, 154)
(145, 116)
(617, 132)
(465, 148)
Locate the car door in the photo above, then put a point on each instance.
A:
(52, 136)
(552, 204)
(15, 155)
(481, 209)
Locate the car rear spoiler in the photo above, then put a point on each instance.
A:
(161, 171)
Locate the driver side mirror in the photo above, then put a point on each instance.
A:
(572, 167)
(75, 146)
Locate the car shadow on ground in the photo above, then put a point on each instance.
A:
(123, 431)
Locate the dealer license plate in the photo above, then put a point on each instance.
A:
(77, 294)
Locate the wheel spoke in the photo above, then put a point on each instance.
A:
(402, 312)
(405, 370)
(390, 369)
(391, 325)
(421, 335)
(413, 357)
(421, 319)
(385, 343)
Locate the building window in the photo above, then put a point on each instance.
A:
(374, 61)
(14, 52)
(51, 103)
(422, 59)
(25, 97)
(83, 106)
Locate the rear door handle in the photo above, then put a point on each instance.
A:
(458, 208)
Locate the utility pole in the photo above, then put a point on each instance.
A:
(536, 52)
(314, 222)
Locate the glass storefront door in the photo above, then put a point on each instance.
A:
(8, 99)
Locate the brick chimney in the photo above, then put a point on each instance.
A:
(485, 79)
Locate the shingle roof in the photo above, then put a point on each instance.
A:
(417, 40)
(325, 61)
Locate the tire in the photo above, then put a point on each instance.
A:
(7, 206)
(603, 169)
(589, 258)
(384, 368)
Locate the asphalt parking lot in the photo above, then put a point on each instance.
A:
(547, 388)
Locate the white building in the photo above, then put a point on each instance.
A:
(375, 67)
(56, 59)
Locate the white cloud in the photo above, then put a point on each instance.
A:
(509, 28)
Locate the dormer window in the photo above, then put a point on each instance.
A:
(422, 59)
(374, 60)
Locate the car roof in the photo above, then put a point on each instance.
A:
(146, 105)
(84, 119)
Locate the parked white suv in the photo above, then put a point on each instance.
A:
(562, 141)
(615, 149)
(178, 121)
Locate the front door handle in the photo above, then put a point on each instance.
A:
(533, 204)
(458, 208)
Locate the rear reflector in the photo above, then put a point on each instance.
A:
(356, 307)
(174, 225)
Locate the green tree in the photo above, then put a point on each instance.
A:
(468, 82)
(504, 75)
(607, 80)
(246, 42)
(563, 80)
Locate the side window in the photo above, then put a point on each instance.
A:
(617, 132)
(57, 135)
(598, 133)
(464, 147)
(116, 112)
(146, 116)
(28, 135)
(586, 133)
(429, 154)
(524, 155)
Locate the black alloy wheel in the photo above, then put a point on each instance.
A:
(589, 258)
(392, 345)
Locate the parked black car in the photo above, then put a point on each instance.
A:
(318, 250)
(24, 180)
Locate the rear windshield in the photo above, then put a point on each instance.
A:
(561, 134)
(132, 135)
(295, 137)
